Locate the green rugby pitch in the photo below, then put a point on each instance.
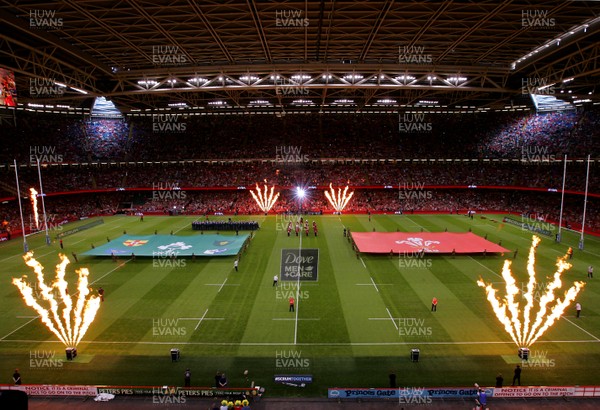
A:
(353, 326)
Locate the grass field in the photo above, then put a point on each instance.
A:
(353, 326)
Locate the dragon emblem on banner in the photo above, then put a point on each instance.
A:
(419, 243)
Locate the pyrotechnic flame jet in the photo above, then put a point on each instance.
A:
(517, 323)
(67, 320)
(36, 215)
(265, 200)
(340, 200)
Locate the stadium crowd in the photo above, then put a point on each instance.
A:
(64, 208)
(247, 174)
(472, 135)
(311, 150)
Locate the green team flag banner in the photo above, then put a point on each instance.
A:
(168, 245)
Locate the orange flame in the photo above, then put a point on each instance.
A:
(34, 204)
(550, 308)
(68, 324)
(265, 200)
(339, 201)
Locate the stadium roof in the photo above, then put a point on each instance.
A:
(288, 56)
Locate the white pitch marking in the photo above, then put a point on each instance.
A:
(81, 240)
(37, 256)
(373, 282)
(582, 329)
(221, 284)
(363, 262)
(186, 224)
(110, 342)
(201, 319)
(481, 264)
(297, 300)
(392, 318)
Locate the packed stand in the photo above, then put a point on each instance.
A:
(208, 205)
(309, 136)
(246, 175)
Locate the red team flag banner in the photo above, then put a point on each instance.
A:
(426, 242)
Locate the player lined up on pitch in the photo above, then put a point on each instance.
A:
(300, 224)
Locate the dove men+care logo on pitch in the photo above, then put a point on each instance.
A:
(299, 264)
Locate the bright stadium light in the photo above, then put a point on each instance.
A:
(301, 77)
(301, 194)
